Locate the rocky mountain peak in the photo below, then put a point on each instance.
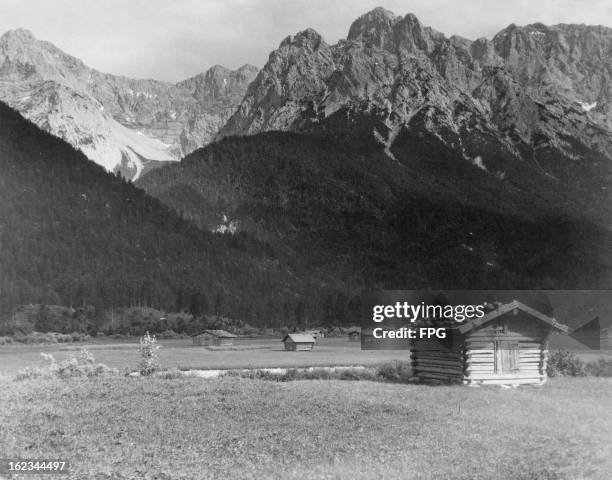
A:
(19, 34)
(247, 70)
(308, 39)
(412, 35)
(217, 71)
(374, 28)
(219, 83)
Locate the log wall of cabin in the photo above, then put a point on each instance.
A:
(302, 347)
(489, 351)
(437, 361)
(298, 347)
(202, 340)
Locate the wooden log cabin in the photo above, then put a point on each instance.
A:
(354, 334)
(507, 346)
(214, 338)
(298, 342)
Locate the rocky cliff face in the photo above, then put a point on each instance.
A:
(536, 93)
(123, 124)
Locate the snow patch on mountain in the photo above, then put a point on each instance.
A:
(477, 162)
(587, 107)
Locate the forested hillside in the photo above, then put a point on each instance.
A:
(334, 201)
(72, 234)
(309, 219)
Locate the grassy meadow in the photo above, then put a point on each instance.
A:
(232, 428)
(181, 353)
(122, 427)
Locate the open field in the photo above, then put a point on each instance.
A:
(232, 428)
(182, 354)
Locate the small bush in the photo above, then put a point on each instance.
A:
(149, 362)
(565, 364)
(81, 364)
(398, 372)
(356, 374)
(80, 337)
(6, 340)
(168, 334)
(312, 374)
(62, 337)
(600, 368)
(321, 373)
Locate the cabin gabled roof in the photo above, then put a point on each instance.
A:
(506, 308)
(216, 333)
(299, 338)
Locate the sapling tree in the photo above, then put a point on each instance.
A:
(149, 361)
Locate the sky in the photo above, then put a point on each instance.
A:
(175, 39)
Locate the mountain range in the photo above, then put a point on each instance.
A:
(123, 124)
(396, 158)
(537, 96)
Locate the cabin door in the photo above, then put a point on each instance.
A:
(507, 358)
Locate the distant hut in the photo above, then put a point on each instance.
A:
(354, 334)
(213, 337)
(508, 345)
(298, 342)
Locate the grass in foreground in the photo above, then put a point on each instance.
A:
(237, 428)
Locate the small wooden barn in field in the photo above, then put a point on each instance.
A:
(508, 345)
(213, 337)
(354, 334)
(298, 342)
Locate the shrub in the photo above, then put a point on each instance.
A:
(168, 334)
(80, 337)
(600, 368)
(356, 374)
(321, 373)
(81, 364)
(62, 337)
(565, 364)
(149, 362)
(6, 340)
(399, 371)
